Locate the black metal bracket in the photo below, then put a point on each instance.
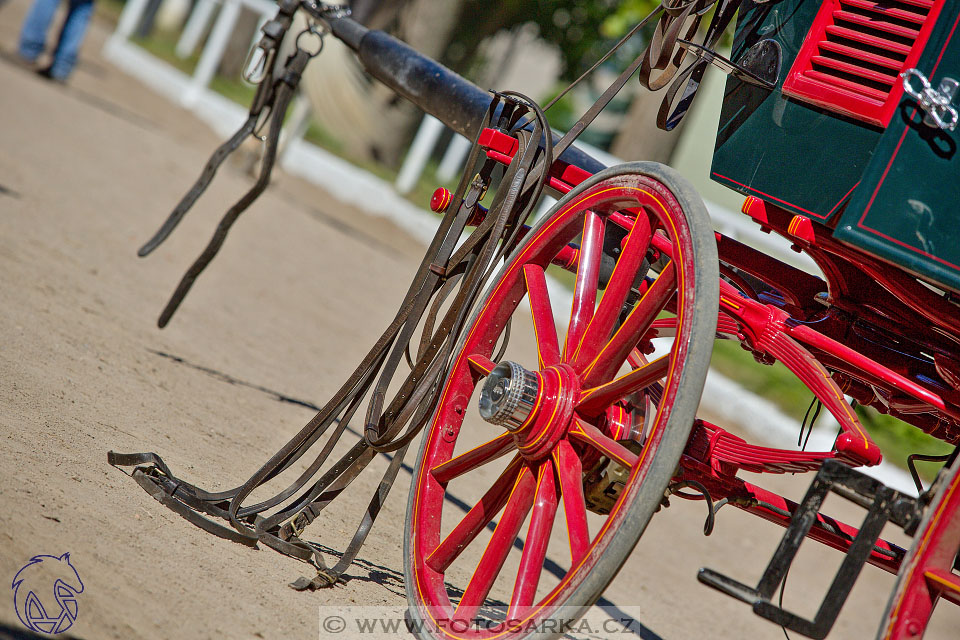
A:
(760, 65)
(883, 504)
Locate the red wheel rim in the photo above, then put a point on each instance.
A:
(928, 573)
(571, 420)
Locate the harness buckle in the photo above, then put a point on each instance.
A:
(298, 524)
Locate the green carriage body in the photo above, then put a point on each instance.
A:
(886, 183)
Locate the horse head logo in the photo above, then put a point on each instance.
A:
(45, 593)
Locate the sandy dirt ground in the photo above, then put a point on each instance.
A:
(302, 287)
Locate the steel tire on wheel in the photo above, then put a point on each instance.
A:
(569, 430)
(927, 574)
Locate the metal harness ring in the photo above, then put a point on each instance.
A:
(313, 30)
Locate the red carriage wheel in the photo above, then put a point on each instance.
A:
(563, 429)
(931, 570)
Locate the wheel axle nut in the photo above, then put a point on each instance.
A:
(508, 395)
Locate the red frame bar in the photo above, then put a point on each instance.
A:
(757, 500)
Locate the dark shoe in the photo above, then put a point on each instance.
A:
(45, 73)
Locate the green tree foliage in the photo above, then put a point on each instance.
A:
(627, 14)
(583, 30)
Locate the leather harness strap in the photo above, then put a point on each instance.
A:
(444, 271)
(411, 406)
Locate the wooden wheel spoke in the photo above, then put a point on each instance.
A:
(624, 274)
(548, 345)
(945, 583)
(480, 365)
(570, 475)
(477, 518)
(594, 401)
(615, 352)
(585, 290)
(476, 457)
(491, 562)
(590, 435)
(535, 546)
(636, 359)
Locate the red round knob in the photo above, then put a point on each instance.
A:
(441, 200)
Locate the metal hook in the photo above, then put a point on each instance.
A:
(255, 66)
(935, 103)
(319, 32)
(704, 495)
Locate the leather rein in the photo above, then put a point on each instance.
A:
(449, 275)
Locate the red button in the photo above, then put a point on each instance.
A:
(441, 200)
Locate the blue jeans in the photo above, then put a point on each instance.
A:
(33, 35)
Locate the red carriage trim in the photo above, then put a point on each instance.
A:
(852, 57)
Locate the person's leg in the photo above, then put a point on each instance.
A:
(71, 37)
(33, 34)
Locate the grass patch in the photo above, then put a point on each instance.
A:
(162, 44)
(108, 10)
(774, 382)
(897, 440)
(318, 135)
(235, 90)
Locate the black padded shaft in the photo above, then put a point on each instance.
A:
(447, 96)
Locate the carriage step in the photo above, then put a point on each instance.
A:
(883, 504)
